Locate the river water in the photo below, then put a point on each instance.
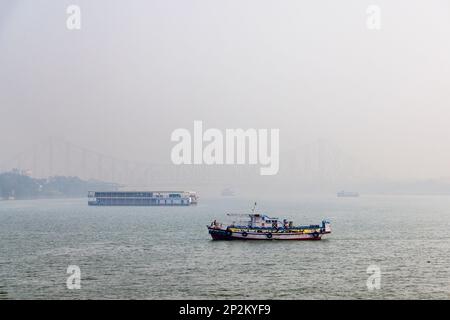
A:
(166, 252)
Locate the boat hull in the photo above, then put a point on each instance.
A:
(221, 234)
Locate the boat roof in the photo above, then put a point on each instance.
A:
(251, 215)
(141, 191)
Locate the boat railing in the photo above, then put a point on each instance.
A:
(217, 224)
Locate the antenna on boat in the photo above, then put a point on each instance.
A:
(254, 208)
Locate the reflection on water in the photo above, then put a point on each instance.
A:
(166, 252)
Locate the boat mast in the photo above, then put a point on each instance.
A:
(254, 208)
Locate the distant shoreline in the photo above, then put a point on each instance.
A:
(43, 198)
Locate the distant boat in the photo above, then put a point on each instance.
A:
(142, 198)
(227, 192)
(347, 194)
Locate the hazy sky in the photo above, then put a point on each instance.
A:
(137, 70)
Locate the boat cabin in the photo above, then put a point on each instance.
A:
(263, 221)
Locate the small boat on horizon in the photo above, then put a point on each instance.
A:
(343, 193)
(227, 192)
(262, 227)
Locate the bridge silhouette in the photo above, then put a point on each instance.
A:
(317, 163)
(58, 157)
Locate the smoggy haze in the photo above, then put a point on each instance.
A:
(138, 70)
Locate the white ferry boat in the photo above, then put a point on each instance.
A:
(263, 227)
(142, 198)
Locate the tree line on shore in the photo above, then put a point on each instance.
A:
(17, 185)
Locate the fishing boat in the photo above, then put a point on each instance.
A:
(262, 227)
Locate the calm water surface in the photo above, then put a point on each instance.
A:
(166, 252)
